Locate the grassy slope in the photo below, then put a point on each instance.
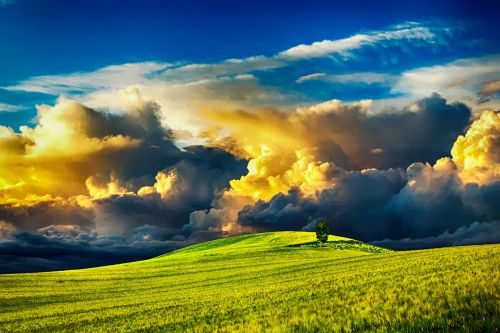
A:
(257, 282)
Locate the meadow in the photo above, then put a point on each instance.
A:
(266, 282)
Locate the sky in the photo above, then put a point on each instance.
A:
(129, 129)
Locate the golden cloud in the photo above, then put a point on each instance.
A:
(477, 153)
(75, 155)
(281, 150)
(55, 158)
(300, 148)
(490, 88)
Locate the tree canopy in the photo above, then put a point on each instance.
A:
(322, 231)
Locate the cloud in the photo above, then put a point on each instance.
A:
(490, 88)
(188, 185)
(399, 36)
(402, 33)
(6, 229)
(425, 202)
(107, 161)
(32, 215)
(306, 149)
(347, 134)
(460, 80)
(113, 89)
(115, 76)
(182, 86)
(429, 209)
(310, 77)
(475, 233)
(76, 142)
(366, 78)
(477, 153)
(350, 204)
(155, 156)
(118, 227)
(55, 249)
(10, 108)
(131, 193)
(226, 68)
(127, 193)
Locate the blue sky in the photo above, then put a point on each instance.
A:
(49, 37)
(60, 38)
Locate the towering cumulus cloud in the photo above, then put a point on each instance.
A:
(311, 148)
(86, 186)
(477, 153)
(453, 201)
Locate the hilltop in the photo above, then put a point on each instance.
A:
(269, 281)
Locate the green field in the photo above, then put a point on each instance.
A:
(266, 282)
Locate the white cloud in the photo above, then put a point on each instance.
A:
(325, 47)
(229, 67)
(460, 80)
(474, 81)
(180, 89)
(310, 77)
(122, 76)
(10, 108)
(406, 33)
(402, 35)
(116, 76)
(181, 102)
(490, 88)
(350, 78)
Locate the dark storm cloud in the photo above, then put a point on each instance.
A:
(83, 222)
(423, 133)
(149, 197)
(129, 227)
(62, 249)
(139, 164)
(42, 214)
(475, 233)
(352, 206)
(348, 134)
(371, 206)
(199, 177)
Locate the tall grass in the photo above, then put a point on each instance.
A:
(261, 283)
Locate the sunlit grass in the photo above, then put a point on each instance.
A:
(269, 281)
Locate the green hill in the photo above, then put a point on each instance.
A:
(266, 282)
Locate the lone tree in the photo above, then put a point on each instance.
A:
(322, 232)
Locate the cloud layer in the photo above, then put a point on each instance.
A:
(257, 80)
(139, 159)
(290, 188)
(87, 187)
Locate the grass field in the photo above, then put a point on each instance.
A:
(266, 282)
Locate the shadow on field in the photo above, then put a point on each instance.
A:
(353, 245)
